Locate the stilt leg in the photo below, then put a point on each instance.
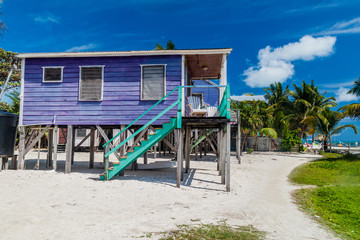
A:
(69, 150)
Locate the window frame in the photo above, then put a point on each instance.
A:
(142, 80)
(57, 81)
(102, 82)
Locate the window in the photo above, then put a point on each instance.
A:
(152, 82)
(52, 74)
(81, 133)
(91, 83)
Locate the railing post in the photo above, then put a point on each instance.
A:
(228, 114)
(179, 113)
(106, 172)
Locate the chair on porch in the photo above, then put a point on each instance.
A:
(212, 111)
(195, 107)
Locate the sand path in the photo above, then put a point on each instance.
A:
(51, 205)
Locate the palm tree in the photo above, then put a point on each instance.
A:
(3, 27)
(353, 110)
(278, 98)
(307, 106)
(356, 88)
(328, 125)
(169, 46)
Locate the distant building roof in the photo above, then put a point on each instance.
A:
(248, 98)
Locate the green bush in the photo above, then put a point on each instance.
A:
(291, 139)
(249, 150)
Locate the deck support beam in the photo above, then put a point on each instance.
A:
(227, 157)
(56, 133)
(92, 147)
(179, 140)
(69, 150)
(187, 149)
(49, 162)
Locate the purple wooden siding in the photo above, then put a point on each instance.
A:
(121, 94)
(210, 95)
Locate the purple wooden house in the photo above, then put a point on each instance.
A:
(135, 92)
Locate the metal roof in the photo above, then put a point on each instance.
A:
(127, 53)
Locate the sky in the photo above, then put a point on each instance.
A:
(272, 40)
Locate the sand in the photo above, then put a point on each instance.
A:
(43, 204)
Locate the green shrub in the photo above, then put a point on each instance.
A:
(291, 139)
(249, 150)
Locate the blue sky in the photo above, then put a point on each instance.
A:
(328, 54)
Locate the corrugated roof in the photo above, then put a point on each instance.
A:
(128, 53)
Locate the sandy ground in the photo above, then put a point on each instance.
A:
(43, 204)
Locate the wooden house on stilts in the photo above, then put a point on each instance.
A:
(146, 95)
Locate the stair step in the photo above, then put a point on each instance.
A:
(116, 163)
(111, 168)
(130, 151)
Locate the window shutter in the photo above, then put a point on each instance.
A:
(91, 83)
(153, 85)
(52, 74)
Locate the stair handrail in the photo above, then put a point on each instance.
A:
(224, 108)
(128, 126)
(179, 117)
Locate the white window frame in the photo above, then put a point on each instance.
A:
(62, 74)
(142, 80)
(102, 82)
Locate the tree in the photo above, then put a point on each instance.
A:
(328, 125)
(3, 27)
(307, 106)
(353, 110)
(7, 61)
(169, 46)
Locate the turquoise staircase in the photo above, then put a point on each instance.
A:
(138, 151)
(160, 133)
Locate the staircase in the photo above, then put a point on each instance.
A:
(138, 151)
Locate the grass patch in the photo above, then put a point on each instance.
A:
(213, 231)
(336, 200)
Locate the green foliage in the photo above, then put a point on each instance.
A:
(212, 231)
(291, 139)
(337, 199)
(7, 61)
(249, 150)
(302, 148)
(15, 102)
(170, 45)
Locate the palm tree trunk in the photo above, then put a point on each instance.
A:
(330, 142)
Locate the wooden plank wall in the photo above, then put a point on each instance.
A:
(121, 94)
(210, 95)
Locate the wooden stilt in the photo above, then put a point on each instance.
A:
(73, 145)
(196, 149)
(179, 156)
(227, 157)
(21, 161)
(69, 146)
(238, 137)
(13, 162)
(50, 147)
(56, 138)
(219, 151)
(187, 149)
(122, 138)
(92, 147)
(37, 166)
(146, 153)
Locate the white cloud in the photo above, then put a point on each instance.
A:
(47, 18)
(82, 48)
(248, 98)
(337, 85)
(275, 64)
(343, 96)
(344, 27)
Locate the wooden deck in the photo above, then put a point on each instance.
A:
(204, 122)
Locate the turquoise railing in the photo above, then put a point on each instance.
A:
(179, 119)
(224, 108)
(224, 111)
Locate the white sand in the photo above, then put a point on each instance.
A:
(42, 204)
